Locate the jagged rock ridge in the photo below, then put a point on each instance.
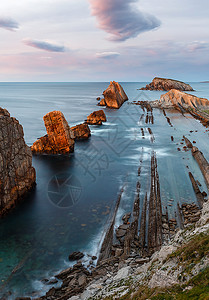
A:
(163, 84)
(17, 176)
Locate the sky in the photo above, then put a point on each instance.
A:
(103, 40)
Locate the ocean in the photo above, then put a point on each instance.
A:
(75, 194)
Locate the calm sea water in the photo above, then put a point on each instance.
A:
(37, 237)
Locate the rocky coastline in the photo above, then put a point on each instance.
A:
(139, 255)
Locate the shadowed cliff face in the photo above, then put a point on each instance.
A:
(17, 176)
(163, 84)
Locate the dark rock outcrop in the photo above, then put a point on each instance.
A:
(114, 96)
(17, 176)
(76, 255)
(81, 132)
(96, 118)
(163, 84)
(59, 138)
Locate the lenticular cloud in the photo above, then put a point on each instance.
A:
(121, 19)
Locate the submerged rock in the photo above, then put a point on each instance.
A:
(114, 96)
(17, 176)
(59, 138)
(81, 131)
(76, 255)
(96, 118)
(175, 98)
(163, 84)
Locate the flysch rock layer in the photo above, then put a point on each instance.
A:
(114, 96)
(59, 138)
(17, 176)
(178, 98)
(163, 84)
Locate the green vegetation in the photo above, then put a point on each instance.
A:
(197, 288)
(206, 111)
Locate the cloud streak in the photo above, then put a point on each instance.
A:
(42, 45)
(121, 19)
(8, 23)
(107, 55)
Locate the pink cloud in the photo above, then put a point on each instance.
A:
(121, 19)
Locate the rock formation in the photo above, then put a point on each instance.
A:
(17, 176)
(180, 99)
(114, 96)
(81, 131)
(59, 138)
(96, 118)
(163, 84)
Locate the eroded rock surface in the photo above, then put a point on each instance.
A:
(96, 118)
(163, 84)
(81, 131)
(17, 176)
(114, 96)
(59, 138)
(175, 98)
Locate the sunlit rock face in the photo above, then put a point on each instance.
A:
(114, 96)
(17, 176)
(163, 84)
(59, 138)
(176, 98)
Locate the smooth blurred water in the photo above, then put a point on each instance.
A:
(37, 237)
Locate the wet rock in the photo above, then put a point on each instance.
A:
(96, 118)
(94, 258)
(163, 84)
(59, 138)
(81, 132)
(76, 256)
(114, 95)
(120, 233)
(17, 176)
(126, 218)
(102, 102)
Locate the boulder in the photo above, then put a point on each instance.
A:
(81, 132)
(59, 138)
(17, 176)
(96, 118)
(102, 102)
(163, 84)
(76, 255)
(175, 98)
(114, 95)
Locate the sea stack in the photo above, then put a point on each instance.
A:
(59, 138)
(96, 118)
(17, 176)
(114, 96)
(81, 132)
(163, 84)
